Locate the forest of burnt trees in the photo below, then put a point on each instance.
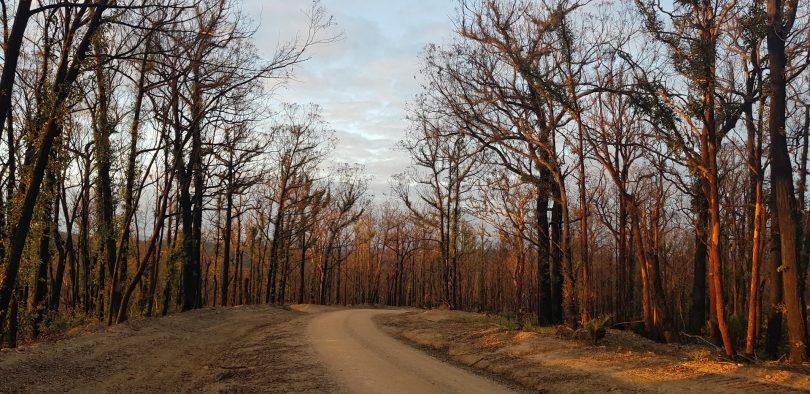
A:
(641, 160)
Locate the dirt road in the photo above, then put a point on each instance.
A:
(309, 349)
(366, 360)
(316, 349)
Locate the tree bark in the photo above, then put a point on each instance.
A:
(226, 247)
(698, 310)
(757, 225)
(782, 184)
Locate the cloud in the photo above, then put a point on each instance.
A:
(364, 81)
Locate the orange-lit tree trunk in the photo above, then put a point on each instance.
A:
(756, 255)
(656, 322)
(709, 142)
(757, 225)
(641, 260)
(715, 278)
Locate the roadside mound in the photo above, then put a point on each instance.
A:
(623, 361)
(312, 308)
(236, 349)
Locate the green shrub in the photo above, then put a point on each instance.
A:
(596, 328)
(58, 323)
(508, 323)
(737, 328)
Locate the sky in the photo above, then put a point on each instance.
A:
(364, 81)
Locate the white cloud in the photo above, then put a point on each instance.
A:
(364, 81)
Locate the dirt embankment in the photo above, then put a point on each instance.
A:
(242, 349)
(622, 362)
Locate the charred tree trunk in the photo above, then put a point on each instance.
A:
(39, 303)
(275, 246)
(226, 246)
(103, 127)
(782, 183)
(302, 269)
(556, 275)
(697, 317)
(544, 299)
(11, 56)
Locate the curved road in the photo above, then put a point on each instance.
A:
(366, 360)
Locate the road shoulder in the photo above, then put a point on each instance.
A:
(243, 349)
(545, 363)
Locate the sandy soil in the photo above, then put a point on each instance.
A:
(623, 362)
(242, 349)
(366, 360)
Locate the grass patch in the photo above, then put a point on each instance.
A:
(507, 323)
(698, 354)
(543, 330)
